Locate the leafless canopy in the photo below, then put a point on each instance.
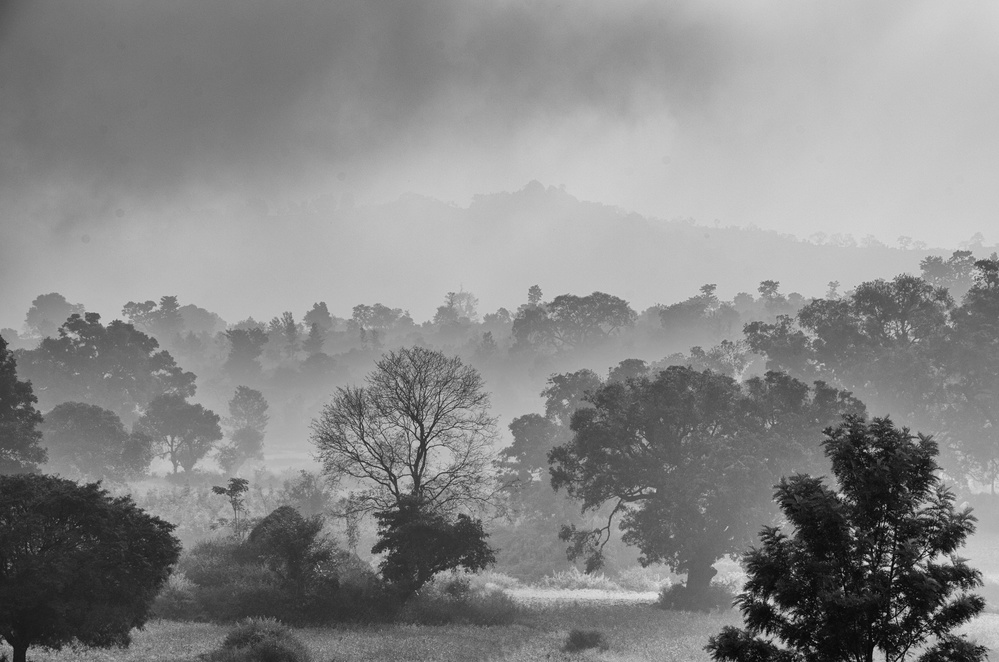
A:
(419, 427)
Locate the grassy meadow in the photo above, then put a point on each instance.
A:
(634, 630)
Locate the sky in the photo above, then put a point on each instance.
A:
(152, 147)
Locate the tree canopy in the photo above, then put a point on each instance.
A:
(48, 312)
(685, 458)
(868, 565)
(115, 367)
(184, 432)
(418, 543)
(90, 441)
(76, 563)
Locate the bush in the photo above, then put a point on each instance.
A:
(260, 640)
(176, 601)
(286, 570)
(450, 599)
(575, 580)
(642, 579)
(718, 596)
(579, 640)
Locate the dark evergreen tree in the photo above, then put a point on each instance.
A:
(868, 565)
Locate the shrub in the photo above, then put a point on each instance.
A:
(176, 601)
(260, 640)
(579, 640)
(450, 599)
(642, 579)
(575, 580)
(719, 595)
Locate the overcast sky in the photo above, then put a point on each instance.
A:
(129, 127)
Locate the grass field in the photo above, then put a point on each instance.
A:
(635, 631)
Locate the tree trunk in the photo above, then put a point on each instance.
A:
(20, 652)
(699, 578)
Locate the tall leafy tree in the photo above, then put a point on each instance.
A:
(868, 566)
(20, 448)
(184, 433)
(76, 564)
(90, 441)
(115, 366)
(683, 458)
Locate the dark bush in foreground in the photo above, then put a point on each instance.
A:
(579, 640)
(676, 597)
(452, 601)
(76, 564)
(260, 640)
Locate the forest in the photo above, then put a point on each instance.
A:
(648, 474)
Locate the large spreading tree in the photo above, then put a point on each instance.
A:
(866, 566)
(76, 564)
(685, 458)
(20, 448)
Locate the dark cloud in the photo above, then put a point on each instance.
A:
(151, 98)
(122, 120)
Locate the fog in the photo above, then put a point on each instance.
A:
(206, 149)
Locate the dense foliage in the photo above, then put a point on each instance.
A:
(89, 441)
(20, 448)
(686, 459)
(419, 542)
(868, 565)
(76, 564)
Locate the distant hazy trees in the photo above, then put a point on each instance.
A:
(48, 312)
(245, 348)
(90, 441)
(184, 433)
(904, 347)
(247, 422)
(163, 320)
(77, 564)
(115, 367)
(571, 322)
(20, 447)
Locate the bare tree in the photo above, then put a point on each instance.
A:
(420, 427)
